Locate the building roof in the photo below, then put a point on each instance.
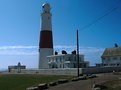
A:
(116, 51)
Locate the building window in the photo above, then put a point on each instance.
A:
(114, 58)
(56, 60)
(117, 64)
(68, 65)
(48, 17)
(63, 65)
(74, 65)
(79, 58)
(69, 59)
(49, 60)
(103, 58)
(60, 65)
(60, 60)
(53, 60)
(108, 58)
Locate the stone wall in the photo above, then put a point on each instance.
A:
(72, 71)
(95, 70)
(49, 71)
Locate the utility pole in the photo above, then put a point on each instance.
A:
(77, 54)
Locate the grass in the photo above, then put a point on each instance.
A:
(23, 81)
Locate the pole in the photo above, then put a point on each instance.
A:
(77, 54)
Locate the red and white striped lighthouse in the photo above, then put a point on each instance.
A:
(46, 39)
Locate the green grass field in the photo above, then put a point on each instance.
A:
(23, 81)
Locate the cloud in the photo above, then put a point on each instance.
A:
(17, 47)
(18, 50)
(64, 47)
(33, 50)
(92, 54)
(91, 49)
(82, 50)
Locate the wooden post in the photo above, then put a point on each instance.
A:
(77, 54)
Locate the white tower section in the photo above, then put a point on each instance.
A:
(46, 39)
(46, 17)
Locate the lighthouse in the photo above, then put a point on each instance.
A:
(46, 39)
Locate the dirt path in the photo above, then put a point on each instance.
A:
(85, 84)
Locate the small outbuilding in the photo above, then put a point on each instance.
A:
(18, 67)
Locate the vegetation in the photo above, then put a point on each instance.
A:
(23, 81)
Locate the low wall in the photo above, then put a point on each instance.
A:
(71, 71)
(95, 70)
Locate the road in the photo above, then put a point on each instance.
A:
(85, 84)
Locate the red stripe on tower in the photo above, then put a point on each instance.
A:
(46, 40)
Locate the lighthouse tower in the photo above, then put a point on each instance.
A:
(46, 39)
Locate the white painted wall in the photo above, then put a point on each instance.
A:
(43, 53)
(69, 71)
(46, 17)
(46, 21)
(110, 60)
(65, 61)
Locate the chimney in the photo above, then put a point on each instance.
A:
(56, 53)
(73, 52)
(116, 45)
(64, 52)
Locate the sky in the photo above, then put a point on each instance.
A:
(20, 25)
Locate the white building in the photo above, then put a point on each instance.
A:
(112, 56)
(18, 67)
(66, 61)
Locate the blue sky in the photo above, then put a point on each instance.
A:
(20, 27)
